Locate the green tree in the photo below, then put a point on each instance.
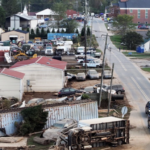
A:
(48, 31)
(28, 30)
(62, 31)
(148, 35)
(70, 25)
(2, 17)
(77, 31)
(132, 40)
(43, 34)
(32, 35)
(53, 31)
(83, 32)
(37, 32)
(60, 9)
(58, 31)
(123, 24)
(34, 120)
(88, 31)
(10, 6)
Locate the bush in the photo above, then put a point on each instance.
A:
(34, 120)
(85, 96)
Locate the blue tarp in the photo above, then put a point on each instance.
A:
(52, 36)
(46, 19)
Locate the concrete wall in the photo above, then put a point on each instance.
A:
(22, 36)
(42, 78)
(10, 87)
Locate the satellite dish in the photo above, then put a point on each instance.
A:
(124, 110)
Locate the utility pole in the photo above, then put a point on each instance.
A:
(103, 66)
(85, 33)
(91, 31)
(21, 5)
(110, 89)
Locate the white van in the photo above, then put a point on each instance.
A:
(49, 50)
(80, 49)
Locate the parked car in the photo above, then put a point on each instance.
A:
(107, 74)
(92, 74)
(97, 55)
(97, 87)
(68, 91)
(81, 60)
(35, 101)
(39, 44)
(147, 108)
(61, 126)
(143, 27)
(71, 76)
(93, 64)
(36, 48)
(81, 76)
(118, 88)
(43, 26)
(80, 49)
(59, 43)
(57, 57)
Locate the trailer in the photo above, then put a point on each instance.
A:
(99, 132)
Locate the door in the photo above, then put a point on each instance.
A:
(72, 91)
(66, 92)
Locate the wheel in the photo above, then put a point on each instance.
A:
(97, 66)
(119, 92)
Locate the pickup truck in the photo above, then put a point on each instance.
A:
(81, 60)
(93, 64)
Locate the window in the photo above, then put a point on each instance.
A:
(131, 11)
(146, 14)
(66, 90)
(139, 14)
(72, 90)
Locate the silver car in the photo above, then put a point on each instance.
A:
(107, 74)
(92, 74)
(81, 76)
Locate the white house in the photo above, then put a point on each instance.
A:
(42, 74)
(11, 83)
(146, 46)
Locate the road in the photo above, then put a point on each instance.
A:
(136, 85)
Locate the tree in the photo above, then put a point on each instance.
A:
(53, 31)
(77, 31)
(70, 25)
(148, 35)
(32, 35)
(88, 31)
(2, 17)
(60, 9)
(10, 6)
(123, 24)
(48, 31)
(62, 31)
(58, 31)
(34, 120)
(83, 32)
(43, 33)
(132, 40)
(37, 32)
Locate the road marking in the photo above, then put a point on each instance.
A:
(140, 89)
(120, 62)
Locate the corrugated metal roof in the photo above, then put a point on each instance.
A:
(12, 73)
(100, 120)
(47, 61)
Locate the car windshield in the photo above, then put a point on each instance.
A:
(81, 48)
(49, 47)
(81, 74)
(59, 125)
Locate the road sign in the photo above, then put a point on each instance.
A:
(124, 110)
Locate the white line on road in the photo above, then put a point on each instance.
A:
(140, 89)
(120, 62)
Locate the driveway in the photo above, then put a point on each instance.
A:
(136, 85)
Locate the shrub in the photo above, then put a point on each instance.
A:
(85, 96)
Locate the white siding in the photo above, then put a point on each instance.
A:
(9, 87)
(42, 78)
(147, 46)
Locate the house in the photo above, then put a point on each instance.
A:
(113, 10)
(139, 9)
(146, 45)
(21, 20)
(47, 13)
(42, 74)
(11, 83)
(15, 36)
(72, 13)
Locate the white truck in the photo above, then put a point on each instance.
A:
(93, 64)
(49, 50)
(80, 49)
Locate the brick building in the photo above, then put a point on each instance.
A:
(139, 9)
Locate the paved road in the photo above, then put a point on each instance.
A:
(135, 83)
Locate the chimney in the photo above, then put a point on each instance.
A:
(123, 0)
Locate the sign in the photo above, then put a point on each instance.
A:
(124, 110)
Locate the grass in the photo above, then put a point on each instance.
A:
(137, 55)
(98, 50)
(116, 40)
(146, 69)
(37, 146)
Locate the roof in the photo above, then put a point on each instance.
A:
(32, 13)
(100, 120)
(71, 12)
(135, 4)
(12, 73)
(47, 61)
(46, 12)
(21, 31)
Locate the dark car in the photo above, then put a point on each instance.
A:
(68, 91)
(143, 27)
(118, 88)
(57, 57)
(147, 108)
